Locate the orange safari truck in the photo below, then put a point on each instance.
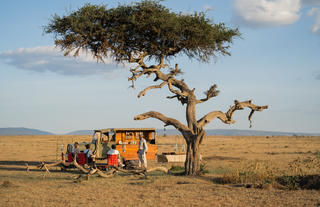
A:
(126, 141)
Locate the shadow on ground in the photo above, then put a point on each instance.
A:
(22, 166)
(21, 163)
(308, 182)
(220, 158)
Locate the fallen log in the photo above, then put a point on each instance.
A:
(92, 171)
(61, 164)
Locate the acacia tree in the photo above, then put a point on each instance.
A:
(147, 32)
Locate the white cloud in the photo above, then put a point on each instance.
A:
(207, 8)
(50, 58)
(186, 13)
(315, 12)
(257, 13)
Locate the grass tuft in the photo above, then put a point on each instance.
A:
(7, 184)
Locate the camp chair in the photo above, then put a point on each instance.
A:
(81, 158)
(113, 160)
(70, 157)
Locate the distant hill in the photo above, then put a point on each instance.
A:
(22, 131)
(238, 132)
(81, 132)
(223, 132)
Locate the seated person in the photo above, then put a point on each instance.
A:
(75, 150)
(89, 155)
(113, 151)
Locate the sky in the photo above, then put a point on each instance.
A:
(276, 62)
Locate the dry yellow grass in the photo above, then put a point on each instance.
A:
(221, 154)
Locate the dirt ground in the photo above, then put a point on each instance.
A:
(220, 154)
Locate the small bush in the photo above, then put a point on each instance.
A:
(175, 168)
(291, 182)
(7, 184)
(203, 169)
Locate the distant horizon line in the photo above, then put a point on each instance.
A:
(253, 131)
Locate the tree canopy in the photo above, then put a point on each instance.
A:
(145, 27)
(148, 30)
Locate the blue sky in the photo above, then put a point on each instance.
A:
(275, 63)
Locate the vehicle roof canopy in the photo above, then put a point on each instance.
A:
(114, 130)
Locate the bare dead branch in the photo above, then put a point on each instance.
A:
(110, 173)
(92, 171)
(143, 171)
(176, 71)
(213, 115)
(27, 167)
(212, 92)
(227, 117)
(183, 100)
(79, 166)
(138, 73)
(181, 94)
(167, 121)
(162, 169)
(142, 93)
(162, 64)
(172, 97)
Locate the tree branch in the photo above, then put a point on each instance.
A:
(182, 90)
(212, 92)
(138, 73)
(227, 117)
(166, 120)
(181, 94)
(142, 93)
(183, 100)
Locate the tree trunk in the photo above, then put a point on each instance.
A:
(192, 163)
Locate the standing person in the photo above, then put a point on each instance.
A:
(142, 150)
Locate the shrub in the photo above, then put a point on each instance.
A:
(175, 168)
(258, 172)
(203, 169)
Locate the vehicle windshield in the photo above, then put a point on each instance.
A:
(94, 138)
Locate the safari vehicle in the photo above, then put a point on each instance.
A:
(125, 139)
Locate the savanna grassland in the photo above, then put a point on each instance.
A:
(240, 171)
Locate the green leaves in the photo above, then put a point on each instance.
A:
(144, 27)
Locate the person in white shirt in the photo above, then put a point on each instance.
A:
(142, 150)
(113, 151)
(87, 151)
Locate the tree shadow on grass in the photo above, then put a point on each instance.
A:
(22, 166)
(286, 182)
(20, 163)
(309, 182)
(214, 157)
